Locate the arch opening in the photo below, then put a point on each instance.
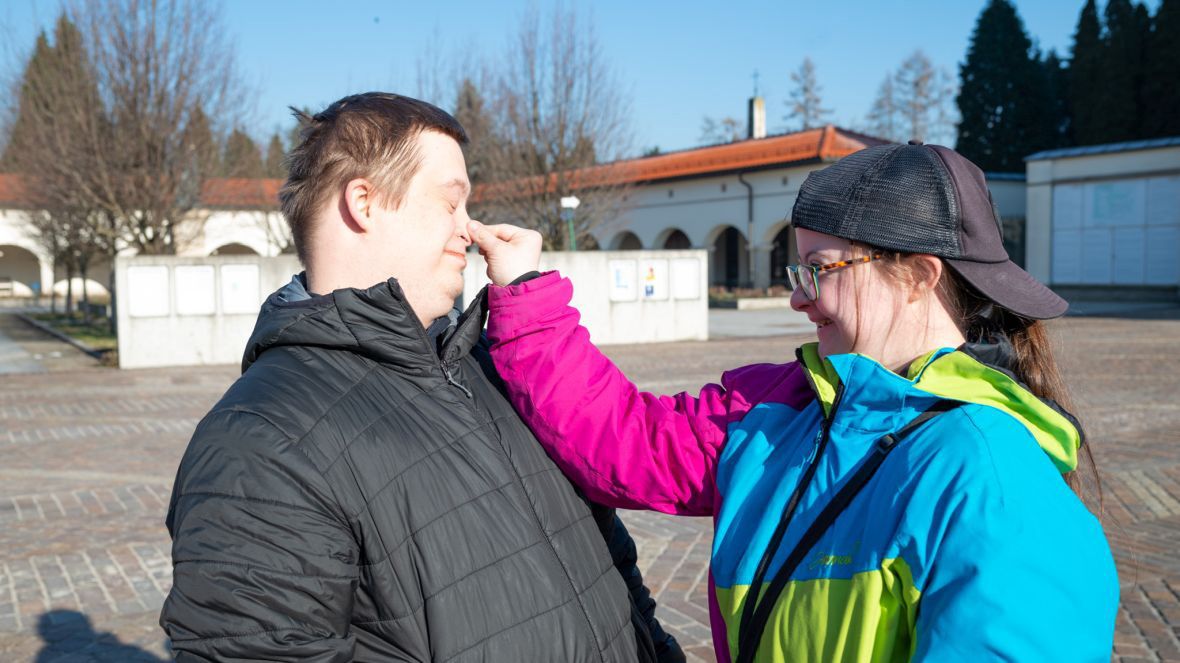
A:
(784, 251)
(626, 241)
(20, 272)
(677, 240)
(233, 249)
(731, 257)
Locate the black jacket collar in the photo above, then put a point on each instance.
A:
(376, 322)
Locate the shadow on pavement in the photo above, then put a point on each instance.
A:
(68, 635)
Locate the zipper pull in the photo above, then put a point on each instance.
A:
(451, 380)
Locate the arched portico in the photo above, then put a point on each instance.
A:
(783, 251)
(729, 264)
(626, 241)
(21, 273)
(241, 233)
(233, 249)
(96, 292)
(673, 239)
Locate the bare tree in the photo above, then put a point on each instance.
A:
(113, 123)
(726, 130)
(471, 111)
(805, 102)
(155, 61)
(58, 101)
(884, 119)
(915, 103)
(241, 157)
(924, 96)
(559, 120)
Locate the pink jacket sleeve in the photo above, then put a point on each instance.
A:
(623, 447)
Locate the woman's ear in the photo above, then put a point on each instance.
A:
(358, 201)
(927, 274)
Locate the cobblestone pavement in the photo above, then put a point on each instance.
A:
(87, 456)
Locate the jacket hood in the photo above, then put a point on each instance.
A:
(376, 322)
(978, 373)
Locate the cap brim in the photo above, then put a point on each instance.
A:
(1011, 287)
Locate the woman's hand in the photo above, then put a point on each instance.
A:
(510, 251)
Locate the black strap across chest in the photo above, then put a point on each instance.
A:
(756, 611)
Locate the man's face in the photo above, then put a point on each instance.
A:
(426, 234)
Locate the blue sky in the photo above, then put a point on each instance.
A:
(678, 61)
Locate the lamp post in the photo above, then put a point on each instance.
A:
(568, 205)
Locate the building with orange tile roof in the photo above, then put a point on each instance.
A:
(733, 199)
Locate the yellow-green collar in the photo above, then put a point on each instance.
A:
(954, 375)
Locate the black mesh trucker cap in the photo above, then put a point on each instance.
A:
(923, 199)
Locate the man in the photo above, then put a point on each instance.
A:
(364, 491)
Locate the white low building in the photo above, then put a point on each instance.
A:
(1104, 220)
(237, 217)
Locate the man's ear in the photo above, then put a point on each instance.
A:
(359, 202)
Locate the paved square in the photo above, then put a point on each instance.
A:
(87, 457)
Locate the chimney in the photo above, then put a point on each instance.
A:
(756, 118)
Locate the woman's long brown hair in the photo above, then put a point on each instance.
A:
(1034, 363)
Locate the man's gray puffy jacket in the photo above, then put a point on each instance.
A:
(364, 492)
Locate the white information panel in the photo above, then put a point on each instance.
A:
(194, 290)
(686, 278)
(239, 289)
(653, 279)
(147, 291)
(623, 286)
(1117, 203)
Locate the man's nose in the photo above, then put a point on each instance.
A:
(462, 231)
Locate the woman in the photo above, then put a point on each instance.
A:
(900, 491)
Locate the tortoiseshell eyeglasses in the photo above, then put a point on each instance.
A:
(806, 277)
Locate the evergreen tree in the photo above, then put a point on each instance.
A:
(200, 144)
(274, 158)
(1086, 77)
(1122, 73)
(19, 139)
(242, 157)
(1161, 90)
(471, 113)
(1060, 120)
(1142, 42)
(1003, 100)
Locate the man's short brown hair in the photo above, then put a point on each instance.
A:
(370, 135)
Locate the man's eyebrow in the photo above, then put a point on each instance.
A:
(459, 184)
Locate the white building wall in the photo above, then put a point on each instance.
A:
(1106, 219)
(16, 230)
(1010, 197)
(186, 311)
(702, 210)
(256, 229)
(676, 308)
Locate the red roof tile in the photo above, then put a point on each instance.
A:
(814, 145)
(826, 144)
(12, 191)
(241, 193)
